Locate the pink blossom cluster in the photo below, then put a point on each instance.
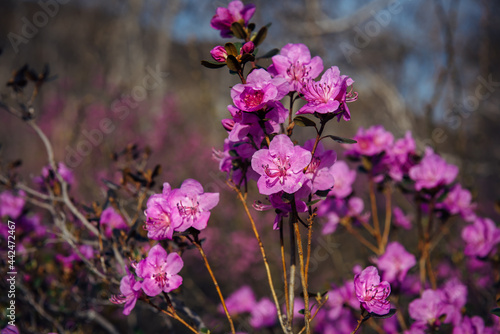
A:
(176, 210)
(157, 273)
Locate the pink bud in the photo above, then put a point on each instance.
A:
(248, 47)
(219, 54)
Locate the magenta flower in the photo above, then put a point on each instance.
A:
(234, 160)
(454, 298)
(9, 329)
(159, 271)
(481, 237)
(333, 209)
(318, 171)
(432, 171)
(294, 63)
(241, 301)
(399, 157)
(400, 219)
(219, 54)
(370, 142)
(329, 95)
(344, 178)
(111, 220)
(458, 201)
(474, 325)
(395, 262)
(281, 167)
(245, 124)
(235, 12)
(11, 205)
(193, 204)
(263, 314)
(371, 293)
(159, 222)
(130, 291)
(428, 308)
(259, 90)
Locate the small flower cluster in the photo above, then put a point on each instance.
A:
(262, 313)
(176, 210)
(157, 273)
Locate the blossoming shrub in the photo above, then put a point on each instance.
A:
(435, 279)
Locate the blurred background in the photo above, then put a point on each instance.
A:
(429, 67)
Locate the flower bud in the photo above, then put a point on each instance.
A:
(219, 53)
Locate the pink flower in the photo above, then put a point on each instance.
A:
(344, 178)
(130, 291)
(432, 171)
(318, 171)
(259, 90)
(9, 329)
(263, 314)
(400, 219)
(395, 262)
(428, 308)
(458, 201)
(11, 205)
(235, 12)
(481, 237)
(329, 95)
(192, 204)
(159, 271)
(370, 142)
(159, 222)
(399, 157)
(474, 325)
(240, 301)
(281, 167)
(219, 54)
(294, 63)
(371, 293)
(112, 220)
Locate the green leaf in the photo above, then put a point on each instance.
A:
(270, 53)
(212, 64)
(233, 64)
(231, 49)
(238, 30)
(341, 140)
(303, 121)
(312, 203)
(496, 311)
(260, 37)
(205, 330)
(303, 311)
(384, 316)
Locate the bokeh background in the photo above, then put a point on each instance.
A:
(429, 67)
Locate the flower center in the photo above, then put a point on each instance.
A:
(252, 97)
(160, 221)
(278, 169)
(314, 165)
(189, 211)
(161, 279)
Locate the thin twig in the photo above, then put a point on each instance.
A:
(373, 201)
(214, 280)
(263, 252)
(388, 218)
